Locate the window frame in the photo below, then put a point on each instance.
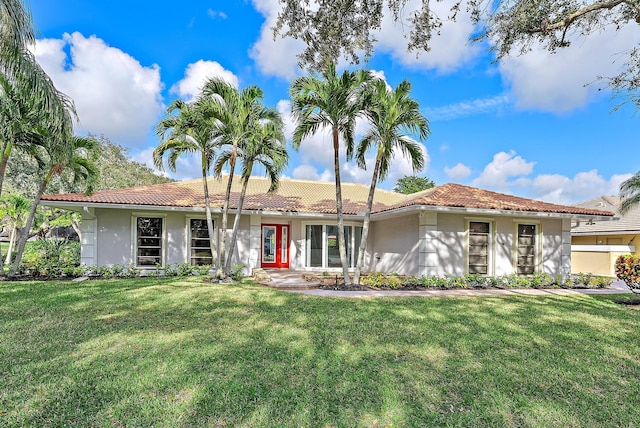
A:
(537, 252)
(325, 249)
(490, 245)
(189, 218)
(134, 238)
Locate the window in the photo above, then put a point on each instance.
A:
(149, 236)
(526, 251)
(199, 243)
(285, 243)
(268, 244)
(479, 247)
(313, 245)
(322, 249)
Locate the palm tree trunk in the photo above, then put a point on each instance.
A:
(341, 242)
(4, 160)
(12, 239)
(236, 223)
(24, 232)
(207, 210)
(367, 218)
(220, 272)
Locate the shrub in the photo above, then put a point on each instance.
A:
(628, 270)
(237, 272)
(49, 257)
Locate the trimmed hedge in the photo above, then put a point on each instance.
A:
(538, 280)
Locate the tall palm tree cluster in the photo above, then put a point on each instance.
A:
(333, 102)
(225, 125)
(36, 119)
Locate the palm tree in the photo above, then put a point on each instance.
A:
(334, 102)
(392, 114)
(630, 193)
(70, 153)
(267, 147)
(189, 131)
(17, 63)
(21, 117)
(13, 209)
(237, 113)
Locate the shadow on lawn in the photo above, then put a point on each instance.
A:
(175, 352)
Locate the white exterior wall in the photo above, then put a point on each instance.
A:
(241, 253)
(449, 243)
(114, 237)
(395, 246)
(426, 243)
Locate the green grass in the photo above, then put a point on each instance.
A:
(176, 352)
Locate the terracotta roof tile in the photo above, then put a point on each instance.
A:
(302, 196)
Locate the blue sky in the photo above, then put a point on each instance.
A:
(530, 125)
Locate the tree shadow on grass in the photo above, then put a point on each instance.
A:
(178, 353)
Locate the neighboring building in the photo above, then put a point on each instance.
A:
(449, 229)
(597, 244)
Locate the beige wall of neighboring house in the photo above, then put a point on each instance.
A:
(597, 244)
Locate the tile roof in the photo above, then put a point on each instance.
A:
(303, 196)
(624, 223)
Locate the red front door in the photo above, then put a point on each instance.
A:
(275, 246)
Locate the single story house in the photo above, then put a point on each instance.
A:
(595, 245)
(450, 229)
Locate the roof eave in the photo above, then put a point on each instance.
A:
(485, 211)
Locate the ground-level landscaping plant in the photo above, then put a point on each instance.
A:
(628, 270)
(537, 280)
(50, 258)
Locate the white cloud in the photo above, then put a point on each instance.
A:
(197, 74)
(114, 94)
(275, 57)
(556, 82)
(279, 57)
(309, 172)
(458, 172)
(466, 108)
(584, 185)
(187, 167)
(512, 174)
(215, 14)
(392, 38)
(505, 166)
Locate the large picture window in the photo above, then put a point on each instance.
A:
(199, 243)
(479, 247)
(149, 243)
(322, 249)
(526, 251)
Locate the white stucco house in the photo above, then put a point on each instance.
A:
(450, 229)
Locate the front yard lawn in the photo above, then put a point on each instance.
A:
(177, 352)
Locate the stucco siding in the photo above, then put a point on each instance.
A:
(176, 238)
(395, 245)
(450, 245)
(241, 253)
(113, 243)
(552, 247)
(504, 245)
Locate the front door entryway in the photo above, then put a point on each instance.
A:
(275, 246)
